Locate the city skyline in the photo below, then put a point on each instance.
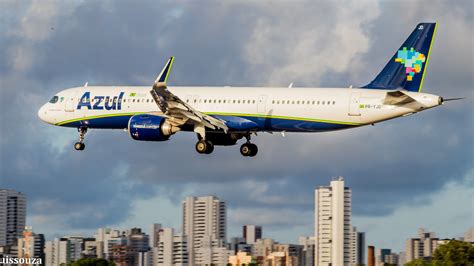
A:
(408, 168)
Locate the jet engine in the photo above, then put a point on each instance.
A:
(150, 128)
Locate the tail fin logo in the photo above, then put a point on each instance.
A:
(412, 60)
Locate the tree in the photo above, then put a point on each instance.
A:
(454, 252)
(92, 262)
(418, 262)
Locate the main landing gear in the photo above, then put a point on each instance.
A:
(247, 149)
(204, 146)
(79, 146)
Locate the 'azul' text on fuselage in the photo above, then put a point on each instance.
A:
(100, 102)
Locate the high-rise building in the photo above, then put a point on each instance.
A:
(138, 240)
(421, 247)
(357, 247)
(333, 224)
(212, 251)
(12, 216)
(371, 256)
(309, 245)
(203, 217)
(105, 238)
(172, 249)
(251, 233)
(31, 245)
(381, 256)
(155, 230)
(262, 249)
(56, 252)
(155, 234)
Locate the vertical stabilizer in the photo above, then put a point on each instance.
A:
(407, 68)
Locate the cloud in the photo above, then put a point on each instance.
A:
(249, 43)
(303, 43)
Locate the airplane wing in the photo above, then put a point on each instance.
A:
(176, 110)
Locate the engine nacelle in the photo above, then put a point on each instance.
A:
(150, 128)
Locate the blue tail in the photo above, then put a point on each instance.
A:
(406, 70)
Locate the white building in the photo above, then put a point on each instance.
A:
(309, 247)
(12, 216)
(333, 224)
(251, 233)
(212, 251)
(172, 249)
(421, 247)
(203, 217)
(56, 252)
(104, 237)
(31, 245)
(357, 247)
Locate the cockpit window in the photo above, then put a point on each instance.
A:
(54, 99)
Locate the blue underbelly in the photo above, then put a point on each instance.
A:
(263, 124)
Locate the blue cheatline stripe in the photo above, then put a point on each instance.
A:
(264, 122)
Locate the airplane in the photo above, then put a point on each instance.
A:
(221, 116)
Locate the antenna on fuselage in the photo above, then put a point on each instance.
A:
(291, 85)
(85, 85)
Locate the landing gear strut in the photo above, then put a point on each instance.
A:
(248, 149)
(204, 146)
(79, 146)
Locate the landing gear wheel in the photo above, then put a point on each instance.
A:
(204, 147)
(79, 146)
(254, 150)
(248, 149)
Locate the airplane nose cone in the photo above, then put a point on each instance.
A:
(42, 114)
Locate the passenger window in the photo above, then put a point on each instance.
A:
(219, 101)
(313, 102)
(233, 101)
(333, 102)
(253, 101)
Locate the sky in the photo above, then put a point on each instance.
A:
(404, 174)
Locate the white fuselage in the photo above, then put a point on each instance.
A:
(275, 109)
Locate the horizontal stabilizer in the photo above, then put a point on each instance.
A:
(397, 98)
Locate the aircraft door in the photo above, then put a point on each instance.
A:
(354, 104)
(69, 103)
(261, 104)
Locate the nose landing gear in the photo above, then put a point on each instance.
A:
(79, 146)
(248, 149)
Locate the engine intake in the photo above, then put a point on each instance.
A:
(150, 128)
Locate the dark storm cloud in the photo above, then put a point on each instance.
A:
(392, 164)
